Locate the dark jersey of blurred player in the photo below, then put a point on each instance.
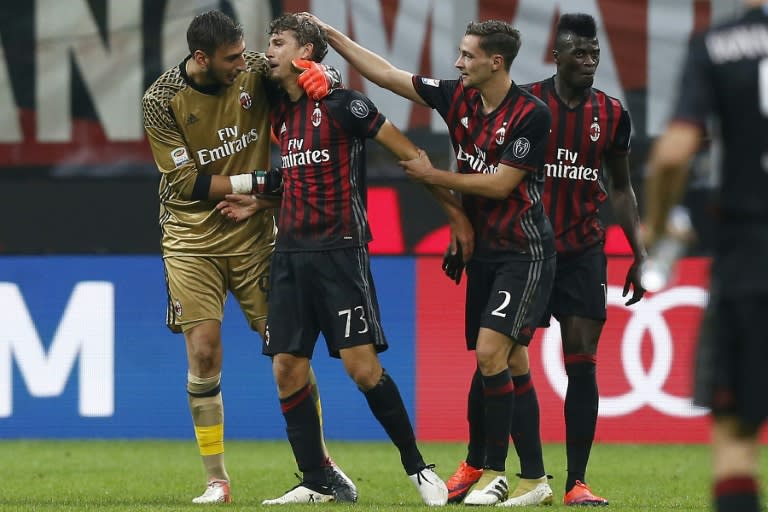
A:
(322, 151)
(517, 226)
(574, 188)
(727, 75)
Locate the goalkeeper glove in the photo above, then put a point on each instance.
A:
(453, 264)
(316, 79)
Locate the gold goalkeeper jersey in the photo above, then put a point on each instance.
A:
(223, 131)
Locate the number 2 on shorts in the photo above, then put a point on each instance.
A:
(504, 304)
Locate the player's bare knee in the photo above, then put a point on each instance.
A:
(581, 335)
(490, 362)
(365, 377)
(204, 359)
(518, 365)
(290, 373)
(362, 366)
(204, 350)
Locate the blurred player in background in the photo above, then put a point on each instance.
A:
(321, 278)
(207, 120)
(726, 76)
(499, 135)
(590, 131)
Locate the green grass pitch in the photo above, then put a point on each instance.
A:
(166, 475)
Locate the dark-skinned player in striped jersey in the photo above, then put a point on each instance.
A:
(590, 135)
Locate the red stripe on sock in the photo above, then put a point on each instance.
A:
(737, 485)
(295, 399)
(580, 358)
(501, 390)
(524, 388)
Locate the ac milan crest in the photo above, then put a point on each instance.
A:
(594, 132)
(317, 117)
(500, 134)
(245, 100)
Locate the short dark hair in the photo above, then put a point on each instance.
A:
(496, 37)
(306, 30)
(578, 24)
(211, 29)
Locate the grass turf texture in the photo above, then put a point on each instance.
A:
(166, 475)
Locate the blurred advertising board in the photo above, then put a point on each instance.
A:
(84, 353)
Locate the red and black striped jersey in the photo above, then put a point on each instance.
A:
(514, 134)
(574, 188)
(322, 152)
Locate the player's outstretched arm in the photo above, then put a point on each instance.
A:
(498, 185)
(371, 65)
(402, 147)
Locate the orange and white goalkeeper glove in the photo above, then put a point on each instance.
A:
(316, 79)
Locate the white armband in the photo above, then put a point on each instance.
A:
(241, 183)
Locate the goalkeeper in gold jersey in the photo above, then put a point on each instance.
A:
(207, 122)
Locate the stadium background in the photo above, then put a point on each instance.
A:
(83, 349)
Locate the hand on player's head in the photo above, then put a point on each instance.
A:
(314, 78)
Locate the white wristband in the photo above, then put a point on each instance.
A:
(241, 183)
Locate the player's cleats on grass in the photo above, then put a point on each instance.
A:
(491, 489)
(581, 494)
(461, 480)
(305, 492)
(343, 487)
(530, 491)
(216, 492)
(431, 487)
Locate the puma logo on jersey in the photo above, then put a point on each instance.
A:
(283, 129)
(465, 122)
(192, 119)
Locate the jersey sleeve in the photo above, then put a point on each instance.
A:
(621, 141)
(528, 141)
(171, 154)
(356, 113)
(438, 94)
(695, 96)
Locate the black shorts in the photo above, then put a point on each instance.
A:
(580, 287)
(322, 291)
(732, 357)
(508, 297)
